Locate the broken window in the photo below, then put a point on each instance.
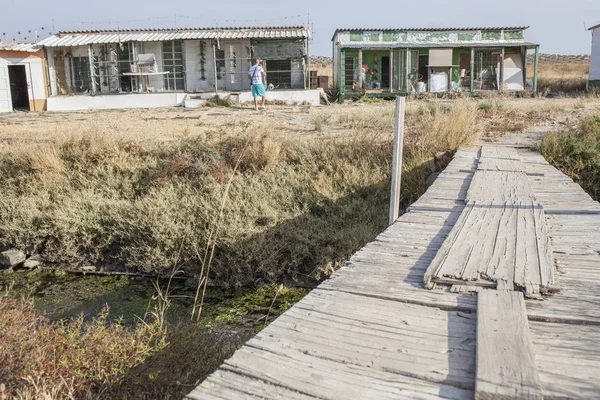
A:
(486, 69)
(81, 82)
(349, 72)
(172, 54)
(220, 62)
(279, 73)
(110, 61)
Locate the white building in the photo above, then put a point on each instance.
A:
(163, 67)
(594, 76)
(22, 77)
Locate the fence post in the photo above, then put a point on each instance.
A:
(397, 159)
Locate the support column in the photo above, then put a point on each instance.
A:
(184, 70)
(391, 70)
(360, 63)
(214, 45)
(342, 77)
(91, 60)
(535, 68)
(472, 69)
(501, 77)
(524, 55)
(408, 68)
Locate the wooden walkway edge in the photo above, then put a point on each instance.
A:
(372, 331)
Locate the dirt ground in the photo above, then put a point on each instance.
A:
(503, 115)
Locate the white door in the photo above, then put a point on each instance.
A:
(5, 99)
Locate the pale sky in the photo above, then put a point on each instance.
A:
(558, 26)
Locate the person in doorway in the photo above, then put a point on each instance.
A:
(256, 74)
(361, 71)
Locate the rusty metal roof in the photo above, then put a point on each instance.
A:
(20, 46)
(79, 38)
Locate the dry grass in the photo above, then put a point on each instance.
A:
(561, 77)
(138, 190)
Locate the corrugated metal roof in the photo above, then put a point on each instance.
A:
(463, 29)
(498, 45)
(17, 46)
(79, 38)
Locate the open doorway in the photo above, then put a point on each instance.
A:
(19, 90)
(423, 68)
(385, 72)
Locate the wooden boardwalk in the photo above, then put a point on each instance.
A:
(372, 331)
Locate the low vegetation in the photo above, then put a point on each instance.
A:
(561, 75)
(577, 153)
(297, 207)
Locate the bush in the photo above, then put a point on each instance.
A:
(577, 154)
(74, 359)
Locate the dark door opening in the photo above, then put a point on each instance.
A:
(19, 92)
(423, 63)
(385, 72)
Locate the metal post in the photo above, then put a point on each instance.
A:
(408, 68)
(472, 69)
(215, 63)
(391, 70)
(397, 160)
(360, 63)
(342, 77)
(524, 55)
(307, 67)
(91, 59)
(501, 78)
(535, 68)
(184, 66)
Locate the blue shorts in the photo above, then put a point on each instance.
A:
(258, 90)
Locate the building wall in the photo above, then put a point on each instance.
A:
(199, 67)
(35, 70)
(594, 76)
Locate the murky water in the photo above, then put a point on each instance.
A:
(64, 296)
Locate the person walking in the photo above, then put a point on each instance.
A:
(256, 74)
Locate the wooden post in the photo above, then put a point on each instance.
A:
(472, 69)
(501, 77)
(535, 68)
(391, 70)
(360, 63)
(397, 160)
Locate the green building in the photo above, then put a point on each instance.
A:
(379, 62)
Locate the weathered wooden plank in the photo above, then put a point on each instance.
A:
(506, 366)
(508, 153)
(438, 262)
(499, 187)
(568, 359)
(500, 164)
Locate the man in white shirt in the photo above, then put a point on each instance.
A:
(256, 74)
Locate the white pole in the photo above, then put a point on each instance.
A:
(397, 159)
